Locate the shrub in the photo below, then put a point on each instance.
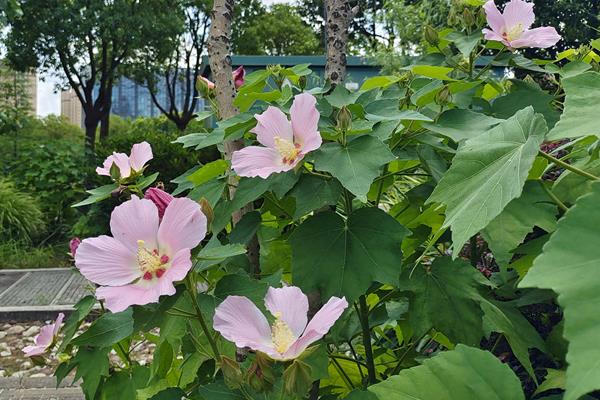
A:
(21, 218)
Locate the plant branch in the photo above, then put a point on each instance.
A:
(569, 167)
(363, 314)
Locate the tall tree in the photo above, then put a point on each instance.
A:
(170, 72)
(339, 18)
(85, 42)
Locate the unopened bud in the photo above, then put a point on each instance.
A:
(431, 36)
(468, 17)
(344, 119)
(231, 372)
(205, 87)
(443, 96)
(302, 82)
(207, 210)
(297, 379)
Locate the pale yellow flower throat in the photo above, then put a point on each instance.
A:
(151, 263)
(289, 151)
(282, 335)
(513, 33)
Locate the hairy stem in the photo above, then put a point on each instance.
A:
(567, 166)
(366, 336)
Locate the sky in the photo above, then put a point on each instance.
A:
(48, 101)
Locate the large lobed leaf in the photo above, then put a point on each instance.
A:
(343, 257)
(570, 265)
(580, 117)
(487, 173)
(462, 374)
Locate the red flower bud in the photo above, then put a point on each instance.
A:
(160, 198)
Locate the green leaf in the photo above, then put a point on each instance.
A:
(569, 266)
(445, 296)
(580, 117)
(341, 97)
(208, 171)
(354, 165)
(487, 173)
(570, 186)
(387, 110)
(241, 285)
(92, 365)
(107, 330)
(245, 100)
(343, 258)
(212, 255)
(432, 71)
(462, 374)
(312, 193)
(97, 194)
(521, 335)
(464, 43)
(524, 95)
(201, 140)
(378, 82)
(460, 124)
(505, 232)
(80, 311)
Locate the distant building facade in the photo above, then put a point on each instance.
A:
(70, 107)
(18, 88)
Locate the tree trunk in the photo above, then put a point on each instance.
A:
(219, 49)
(91, 125)
(104, 127)
(339, 16)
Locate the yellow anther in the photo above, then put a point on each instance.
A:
(282, 335)
(288, 150)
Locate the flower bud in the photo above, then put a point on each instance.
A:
(344, 119)
(260, 374)
(431, 36)
(207, 210)
(297, 379)
(160, 198)
(238, 77)
(231, 372)
(302, 82)
(443, 96)
(468, 17)
(205, 87)
(73, 245)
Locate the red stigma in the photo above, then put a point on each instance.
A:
(160, 272)
(147, 275)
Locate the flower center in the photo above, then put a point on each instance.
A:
(289, 151)
(282, 335)
(151, 263)
(513, 33)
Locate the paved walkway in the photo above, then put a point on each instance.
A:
(37, 389)
(28, 294)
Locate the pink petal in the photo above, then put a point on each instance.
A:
(122, 162)
(106, 261)
(238, 76)
(46, 336)
(305, 122)
(538, 37)
(241, 322)
(182, 227)
(118, 298)
(57, 324)
(492, 35)
(32, 351)
(135, 220)
(518, 12)
(318, 326)
(180, 266)
(272, 123)
(141, 153)
(494, 18)
(292, 304)
(258, 161)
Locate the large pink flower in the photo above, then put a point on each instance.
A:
(240, 321)
(141, 153)
(285, 143)
(45, 339)
(144, 257)
(513, 26)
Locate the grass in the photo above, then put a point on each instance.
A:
(15, 255)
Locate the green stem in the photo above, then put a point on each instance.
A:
(380, 189)
(552, 196)
(569, 167)
(348, 201)
(343, 373)
(366, 334)
(192, 290)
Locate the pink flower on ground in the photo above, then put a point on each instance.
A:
(160, 198)
(512, 27)
(45, 339)
(238, 76)
(144, 257)
(241, 322)
(141, 153)
(73, 245)
(285, 143)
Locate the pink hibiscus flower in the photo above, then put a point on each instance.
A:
(145, 256)
(238, 76)
(513, 26)
(241, 322)
(285, 143)
(141, 153)
(45, 339)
